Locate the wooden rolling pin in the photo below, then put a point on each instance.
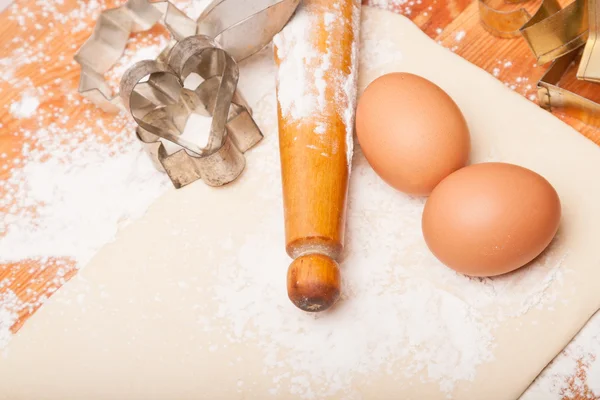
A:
(317, 59)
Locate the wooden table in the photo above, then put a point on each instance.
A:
(454, 23)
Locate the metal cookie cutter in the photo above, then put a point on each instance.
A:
(556, 34)
(589, 67)
(161, 105)
(240, 27)
(109, 38)
(553, 97)
(551, 32)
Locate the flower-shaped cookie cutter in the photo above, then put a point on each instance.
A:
(161, 106)
(226, 32)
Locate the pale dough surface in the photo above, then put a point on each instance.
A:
(190, 301)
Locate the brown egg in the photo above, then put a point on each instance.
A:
(411, 132)
(489, 219)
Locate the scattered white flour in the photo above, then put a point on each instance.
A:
(519, 84)
(404, 7)
(81, 196)
(297, 98)
(196, 132)
(439, 325)
(434, 334)
(379, 52)
(460, 35)
(71, 188)
(26, 107)
(304, 71)
(10, 305)
(8, 70)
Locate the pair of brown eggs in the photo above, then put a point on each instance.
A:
(481, 220)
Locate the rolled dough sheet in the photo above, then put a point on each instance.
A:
(190, 301)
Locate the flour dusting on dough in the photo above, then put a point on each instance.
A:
(441, 321)
(444, 336)
(401, 309)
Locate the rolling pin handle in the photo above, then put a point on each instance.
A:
(314, 143)
(313, 282)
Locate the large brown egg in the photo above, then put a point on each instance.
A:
(411, 132)
(489, 219)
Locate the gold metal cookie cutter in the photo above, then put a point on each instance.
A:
(589, 67)
(154, 91)
(553, 97)
(551, 32)
(555, 34)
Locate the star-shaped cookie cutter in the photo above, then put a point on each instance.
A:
(226, 32)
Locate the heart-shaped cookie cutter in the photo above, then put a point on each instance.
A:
(226, 32)
(161, 105)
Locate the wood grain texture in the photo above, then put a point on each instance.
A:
(314, 282)
(32, 281)
(315, 166)
(489, 52)
(51, 74)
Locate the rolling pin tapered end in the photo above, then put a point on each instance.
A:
(313, 282)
